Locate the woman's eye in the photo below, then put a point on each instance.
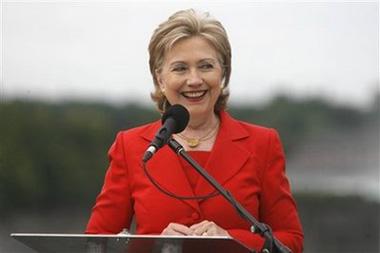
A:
(179, 69)
(206, 66)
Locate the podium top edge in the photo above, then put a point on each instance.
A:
(115, 236)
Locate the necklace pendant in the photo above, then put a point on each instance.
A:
(192, 142)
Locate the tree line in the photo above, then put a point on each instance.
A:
(55, 154)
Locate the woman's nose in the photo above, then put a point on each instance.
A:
(194, 78)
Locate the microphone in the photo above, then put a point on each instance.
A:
(174, 120)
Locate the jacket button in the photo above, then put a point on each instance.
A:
(195, 216)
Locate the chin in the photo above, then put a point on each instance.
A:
(198, 110)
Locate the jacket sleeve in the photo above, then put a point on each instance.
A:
(113, 208)
(277, 206)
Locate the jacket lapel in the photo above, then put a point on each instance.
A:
(228, 155)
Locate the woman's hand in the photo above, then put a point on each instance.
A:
(177, 229)
(208, 228)
(204, 228)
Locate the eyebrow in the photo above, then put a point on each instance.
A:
(201, 60)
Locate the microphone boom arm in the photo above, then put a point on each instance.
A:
(271, 245)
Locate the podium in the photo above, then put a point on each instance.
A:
(121, 243)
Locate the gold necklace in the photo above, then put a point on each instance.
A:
(194, 142)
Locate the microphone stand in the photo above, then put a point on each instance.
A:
(271, 244)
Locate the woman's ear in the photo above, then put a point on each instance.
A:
(159, 80)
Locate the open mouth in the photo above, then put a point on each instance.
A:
(194, 94)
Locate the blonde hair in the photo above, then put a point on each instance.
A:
(185, 24)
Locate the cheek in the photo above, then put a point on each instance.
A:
(215, 95)
(172, 83)
(215, 79)
(215, 85)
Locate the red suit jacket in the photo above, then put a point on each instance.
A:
(246, 159)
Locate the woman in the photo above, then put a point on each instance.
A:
(190, 61)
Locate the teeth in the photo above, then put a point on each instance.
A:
(194, 94)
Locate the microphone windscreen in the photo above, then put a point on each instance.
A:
(180, 114)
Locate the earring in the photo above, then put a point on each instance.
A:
(223, 89)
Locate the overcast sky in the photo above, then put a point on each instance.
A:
(85, 50)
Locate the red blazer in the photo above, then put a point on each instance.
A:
(246, 159)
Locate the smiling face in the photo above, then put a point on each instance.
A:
(191, 75)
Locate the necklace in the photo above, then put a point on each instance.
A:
(194, 142)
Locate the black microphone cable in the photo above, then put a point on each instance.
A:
(173, 195)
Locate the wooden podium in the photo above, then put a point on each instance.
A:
(86, 243)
